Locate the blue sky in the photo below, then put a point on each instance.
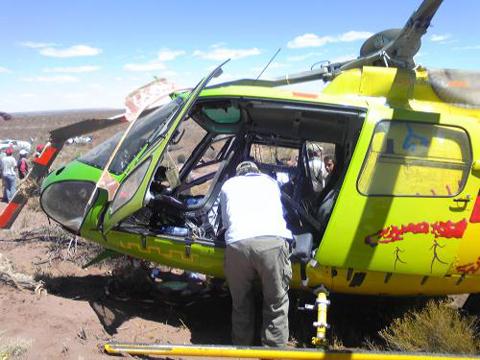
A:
(91, 53)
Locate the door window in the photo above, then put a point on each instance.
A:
(412, 159)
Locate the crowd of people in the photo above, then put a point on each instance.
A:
(13, 169)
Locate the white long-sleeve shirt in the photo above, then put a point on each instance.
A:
(251, 206)
(8, 166)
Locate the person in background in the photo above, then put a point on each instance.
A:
(38, 150)
(22, 164)
(317, 168)
(257, 247)
(329, 166)
(9, 174)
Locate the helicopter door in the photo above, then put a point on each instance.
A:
(407, 199)
(131, 194)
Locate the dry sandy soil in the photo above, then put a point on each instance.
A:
(82, 309)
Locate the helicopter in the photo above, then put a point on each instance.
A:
(398, 215)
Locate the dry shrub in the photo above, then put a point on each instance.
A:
(13, 348)
(33, 204)
(436, 328)
(9, 276)
(62, 245)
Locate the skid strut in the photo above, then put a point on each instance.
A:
(321, 325)
(266, 353)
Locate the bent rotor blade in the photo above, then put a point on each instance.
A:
(399, 52)
(407, 43)
(41, 165)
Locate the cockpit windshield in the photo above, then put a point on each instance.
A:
(99, 155)
(146, 131)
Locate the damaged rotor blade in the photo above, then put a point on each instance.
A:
(397, 47)
(408, 42)
(147, 96)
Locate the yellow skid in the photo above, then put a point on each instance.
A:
(267, 353)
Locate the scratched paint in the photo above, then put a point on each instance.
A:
(469, 268)
(439, 229)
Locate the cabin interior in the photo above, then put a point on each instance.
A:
(281, 137)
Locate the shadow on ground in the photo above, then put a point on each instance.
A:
(206, 312)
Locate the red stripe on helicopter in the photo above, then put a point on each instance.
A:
(304, 95)
(46, 156)
(475, 217)
(439, 229)
(458, 84)
(7, 214)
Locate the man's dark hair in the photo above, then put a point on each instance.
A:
(329, 158)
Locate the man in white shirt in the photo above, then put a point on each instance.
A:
(257, 248)
(9, 175)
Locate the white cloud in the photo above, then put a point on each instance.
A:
(313, 40)
(151, 66)
(219, 44)
(28, 95)
(73, 69)
(168, 55)
(60, 79)
(309, 40)
(72, 51)
(218, 53)
(168, 74)
(4, 70)
(95, 86)
(440, 38)
(37, 45)
(354, 36)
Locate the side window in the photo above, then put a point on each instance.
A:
(189, 135)
(412, 159)
(203, 173)
(274, 155)
(180, 147)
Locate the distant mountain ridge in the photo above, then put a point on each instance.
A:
(65, 112)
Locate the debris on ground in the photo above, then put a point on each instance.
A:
(9, 276)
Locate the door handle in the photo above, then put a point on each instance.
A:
(461, 203)
(464, 200)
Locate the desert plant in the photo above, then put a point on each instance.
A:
(12, 348)
(33, 204)
(436, 328)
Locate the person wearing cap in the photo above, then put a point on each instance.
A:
(257, 247)
(9, 166)
(38, 150)
(22, 164)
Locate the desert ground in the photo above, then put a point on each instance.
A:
(52, 308)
